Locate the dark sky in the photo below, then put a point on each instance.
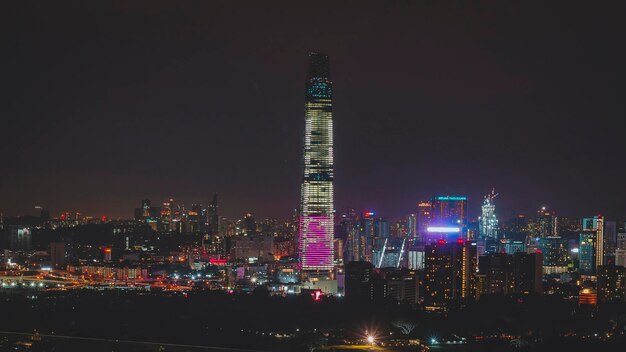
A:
(105, 104)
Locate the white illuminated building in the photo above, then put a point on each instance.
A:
(488, 222)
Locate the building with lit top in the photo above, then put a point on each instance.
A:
(423, 219)
(449, 211)
(449, 273)
(587, 253)
(587, 297)
(488, 222)
(316, 212)
(546, 223)
(591, 247)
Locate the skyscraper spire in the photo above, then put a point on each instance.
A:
(316, 210)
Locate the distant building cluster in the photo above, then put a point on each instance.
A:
(436, 257)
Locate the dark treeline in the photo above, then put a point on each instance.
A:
(217, 319)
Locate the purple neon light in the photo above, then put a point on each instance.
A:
(316, 242)
(443, 229)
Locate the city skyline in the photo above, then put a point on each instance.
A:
(330, 176)
(497, 95)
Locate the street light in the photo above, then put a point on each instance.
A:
(370, 339)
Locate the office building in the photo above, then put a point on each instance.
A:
(449, 211)
(611, 284)
(510, 246)
(591, 251)
(213, 217)
(503, 274)
(499, 273)
(488, 222)
(620, 257)
(411, 226)
(316, 217)
(252, 248)
(555, 254)
(359, 281)
(527, 272)
(20, 238)
(402, 285)
(57, 255)
(449, 273)
(424, 210)
(546, 223)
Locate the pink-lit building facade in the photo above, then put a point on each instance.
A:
(316, 210)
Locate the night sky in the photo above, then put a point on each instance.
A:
(104, 105)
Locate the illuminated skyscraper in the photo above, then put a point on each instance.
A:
(316, 217)
(488, 221)
(546, 223)
(166, 215)
(449, 273)
(213, 217)
(449, 211)
(596, 226)
(411, 226)
(587, 252)
(424, 210)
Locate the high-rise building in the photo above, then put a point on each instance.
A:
(402, 285)
(546, 224)
(166, 215)
(145, 208)
(587, 252)
(510, 246)
(214, 219)
(527, 272)
(621, 240)
(252, 248)
(57, 255)
(596, 225)
(316, 217)
(488, 228)
(449, 273)
(424, 209)
(147, 213)
(449, 211)
(611, 284)
(20, 237)
(411, 225)
(194, 218)
(249, 225)
(620, 257)
(499, 273)
(505, 273)
(555, 255)
(44, 214)
(359, 280)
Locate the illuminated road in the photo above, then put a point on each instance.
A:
(95, 339)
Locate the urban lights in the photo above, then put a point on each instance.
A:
(443, 229)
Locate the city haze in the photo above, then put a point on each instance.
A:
(107, 104)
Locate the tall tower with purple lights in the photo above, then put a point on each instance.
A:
(316, 209)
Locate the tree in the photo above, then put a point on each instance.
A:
(405, 327)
